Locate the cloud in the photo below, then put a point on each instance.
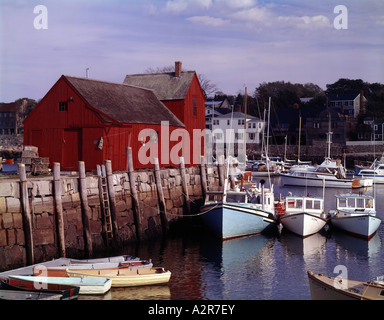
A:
(315, 22)
(176, 6)
(181, 6)
(255, 14)
(237, 4)
(208, 21)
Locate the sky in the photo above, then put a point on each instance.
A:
(234, 43)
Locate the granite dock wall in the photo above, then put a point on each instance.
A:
(43, 218)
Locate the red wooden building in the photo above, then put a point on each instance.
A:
(89, 120)
(181, 92)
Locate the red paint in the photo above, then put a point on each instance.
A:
(73, 134)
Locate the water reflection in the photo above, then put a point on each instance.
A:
(258, 267)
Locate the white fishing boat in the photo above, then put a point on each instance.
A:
(355, 214)
(336, 288)
(330, 172)
(375, 172)
(303, 216)
(231, 214)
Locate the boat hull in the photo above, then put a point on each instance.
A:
(363, 226)
(87, 285)
(227, 220)
(27, 295)
(139, 277)
(303, 224)
(315, 182)
(331, 288)
(324, 289)
(379, 179)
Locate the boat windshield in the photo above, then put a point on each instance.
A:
(359, 203)
(236, 198)
(295, 203)
(313, 204)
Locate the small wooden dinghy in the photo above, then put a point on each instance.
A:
(27, 295)
(336, 288)
(127, 277)
(67, 292)
(87, 285)
(60, 271)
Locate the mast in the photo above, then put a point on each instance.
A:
(245, 126)
(329, 135)
(298, 154)
(269, 114)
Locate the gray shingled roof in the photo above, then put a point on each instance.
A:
(165, 85)
(124, 103)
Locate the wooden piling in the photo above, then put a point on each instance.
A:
(27, 220)
(57, 189)
(160, 195)
(135, 198)
(112, 197)
(184, 185)
(203, 175)
(85, 210)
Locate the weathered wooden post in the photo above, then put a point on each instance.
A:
(27, 220)
(184, 185)
(85, 210)
(160, 195)
(135, 198)
(112, 198)
(203, 175)
(57, 189)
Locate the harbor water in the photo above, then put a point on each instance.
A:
(261, 267)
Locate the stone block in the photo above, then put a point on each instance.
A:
(13, 205)
(20, 237)
(3, 205)
(5, 189)
(37, 205)
(17, 220)
(3, 238)
(43, 188)
(169, 204)
(121, 206)
(174, 172)
(11, 236)
(48, 204)
(43, 236)
(43, 221)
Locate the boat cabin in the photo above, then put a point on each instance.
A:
(296, 204)
(355, 202)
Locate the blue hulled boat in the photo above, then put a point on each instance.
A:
(237, 213)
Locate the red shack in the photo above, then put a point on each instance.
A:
(90, 120)
(181, 92)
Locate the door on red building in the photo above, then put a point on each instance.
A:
(71, 149)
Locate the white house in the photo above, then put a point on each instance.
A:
(223, 124)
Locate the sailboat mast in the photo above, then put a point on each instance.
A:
(269, 115)
(298, 154)
(329, 142)
(245, 126)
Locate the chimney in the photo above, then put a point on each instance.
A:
(178, 69)
(362, 109)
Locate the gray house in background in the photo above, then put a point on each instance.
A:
(351, 104)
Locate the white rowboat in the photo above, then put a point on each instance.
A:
(87, 285)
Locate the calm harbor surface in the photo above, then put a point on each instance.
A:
(260, 267)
